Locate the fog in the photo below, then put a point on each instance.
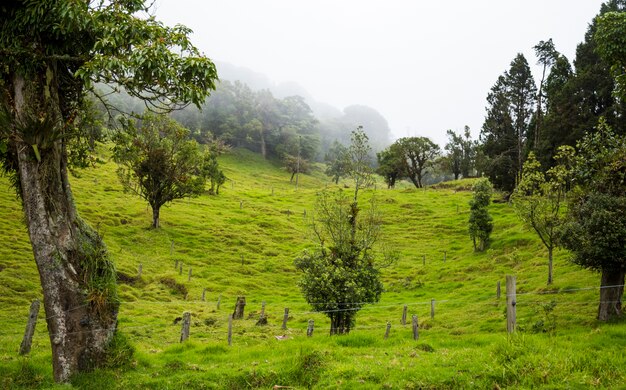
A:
(425, 66)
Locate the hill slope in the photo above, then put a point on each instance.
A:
(243, 243)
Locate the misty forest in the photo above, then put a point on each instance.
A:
(171, 221)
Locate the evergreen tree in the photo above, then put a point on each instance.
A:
(505, 131)
(498, 141)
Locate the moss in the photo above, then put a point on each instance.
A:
(97, 271)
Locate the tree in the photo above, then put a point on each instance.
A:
(461, 156)
(391, 164)
(522, 94)
(546, 56)
(480, 222)
(611, 40)
(538, 200)
(341, 275)
(53, 53)
(595, 228)
(337, 162)
(210, 168)
(296, 165)
(593, 87)
(561, 112)
(498, 138)
(505, 131)
(359, 163)
(419, 155)
(454, 159)
(158, 162)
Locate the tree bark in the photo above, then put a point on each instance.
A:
(550, 265)
(156, 211)
(611, 291)
(70, 256)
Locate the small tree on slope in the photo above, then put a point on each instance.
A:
(341, 274)
(158, 162)
(480, 222)
(538, 201)
(595, 228)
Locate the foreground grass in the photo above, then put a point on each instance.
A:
(261, 218)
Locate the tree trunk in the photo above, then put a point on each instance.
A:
(263, 147)
(77, 278)
(340, 323)
(550, 265)
(156, 210)
(611, 291)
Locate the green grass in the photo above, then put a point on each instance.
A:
(259, 215)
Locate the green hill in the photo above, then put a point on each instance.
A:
(243, 243)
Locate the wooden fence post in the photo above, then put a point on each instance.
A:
(184, 332)
(432, 308)
(139, 270)
(172, 249)
(239, 306)
(445, 253)
(203, 294)
(176, 264)
(285, 318)
(262, 319)
(242, 260)
(415, 328)
(403, 321)
(180, 269)
(387, 330)
(219, 299)
(309, 329)
(498, 290)
(189, 277)
(230, 329)
(423, 259)
(511, 298)
(240, 204)
(30, 328)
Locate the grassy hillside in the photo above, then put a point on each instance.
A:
(261, 218)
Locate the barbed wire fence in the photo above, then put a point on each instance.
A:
(419, 309)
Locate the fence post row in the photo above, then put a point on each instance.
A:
(387, 330)
(404, 312)
(309, 330)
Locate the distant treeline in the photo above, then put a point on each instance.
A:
(274, 127)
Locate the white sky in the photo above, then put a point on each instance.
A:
(426, 66)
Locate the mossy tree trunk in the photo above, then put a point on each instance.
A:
(77, 278)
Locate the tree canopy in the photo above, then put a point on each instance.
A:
(53, 53)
